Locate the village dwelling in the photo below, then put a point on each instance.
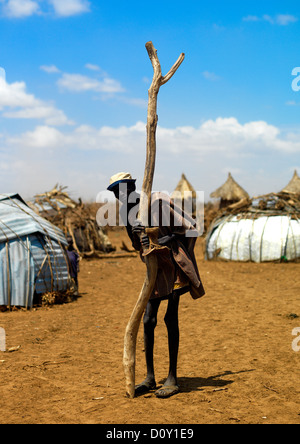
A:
(229, 193)
(266, 228)
(33, 258)
(76, 220)
(294, 185)
(185, 192)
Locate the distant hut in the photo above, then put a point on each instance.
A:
(266, 228)
(75, 219)
(294, 185)
(185, 192)
(229, 193)
(33, 254)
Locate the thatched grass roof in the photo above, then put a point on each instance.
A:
(230, 191)
(184, 185)
(294, 185)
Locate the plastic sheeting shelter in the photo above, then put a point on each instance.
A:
(261, 239)
(33, 258)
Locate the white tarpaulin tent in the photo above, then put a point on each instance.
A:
(262, 239)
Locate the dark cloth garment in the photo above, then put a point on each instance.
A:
(177, 266)
(74, 264)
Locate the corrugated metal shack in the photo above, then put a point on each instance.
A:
(33, 259)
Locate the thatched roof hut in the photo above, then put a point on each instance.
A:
(294, 185)
(185, 192)
(184, 185)
(229, 192)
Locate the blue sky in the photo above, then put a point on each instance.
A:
(74, 82)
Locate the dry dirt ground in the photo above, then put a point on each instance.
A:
(236, 362)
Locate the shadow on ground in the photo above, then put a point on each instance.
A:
(191, 384)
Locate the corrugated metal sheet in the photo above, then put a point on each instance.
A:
(16, 273)
(47, 207)
(267, 238)
(51, 265)
(31, 264)
(12, 196)
(32, 254)
(17, 220)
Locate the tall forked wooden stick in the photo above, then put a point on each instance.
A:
(150, 259)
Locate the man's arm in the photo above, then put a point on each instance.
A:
(137, 235)
(134, 239)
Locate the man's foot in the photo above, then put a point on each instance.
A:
(144, 387)
(166, 391)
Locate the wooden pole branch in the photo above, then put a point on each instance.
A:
(174, 68)
(152, 119)
(150, 259)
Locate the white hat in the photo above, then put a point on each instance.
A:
(118, 178)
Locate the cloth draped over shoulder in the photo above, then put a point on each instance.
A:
(177, 266)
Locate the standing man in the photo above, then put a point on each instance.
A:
(177, 271)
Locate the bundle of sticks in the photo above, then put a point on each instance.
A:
(76, 219)
(272, 204)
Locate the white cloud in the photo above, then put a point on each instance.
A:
(140, 103)
(48, 113)
(41, 137)
(224, 135)
(210, 76)
(92, 67)
(66, 8)
(2, 73)
(106, 87)
(17, 103)
(291, 103)
(15, 95)
(279, 19)
(72, 154)
(50, 69)
(269, 19)
(27, 8)
(20, 8)
(80, 83)
(251, 18)
(147, 80)
(84, 137)
(286, 19)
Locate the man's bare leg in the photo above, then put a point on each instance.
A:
(170, 386)
(150, 322)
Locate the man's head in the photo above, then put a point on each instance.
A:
(122, 184)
